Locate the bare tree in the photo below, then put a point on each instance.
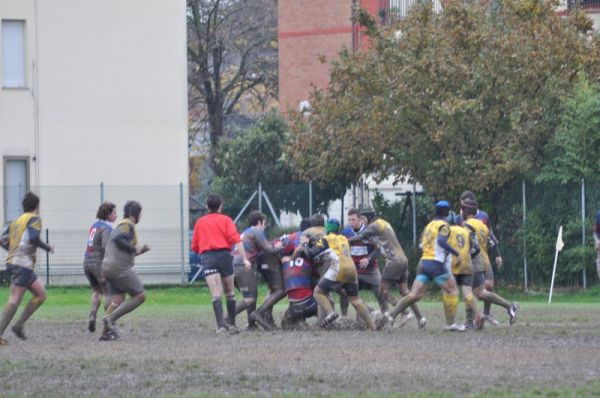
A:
(231, 56)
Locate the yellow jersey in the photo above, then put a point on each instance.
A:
(21, 251)
(483, 237)
(431, 249)
(340, 246)
(460, 241)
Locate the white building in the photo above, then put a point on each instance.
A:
(91, 92)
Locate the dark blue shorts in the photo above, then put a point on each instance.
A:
(217, 262)
(327, 286)
(21, 276)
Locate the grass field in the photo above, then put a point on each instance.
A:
(169, 349)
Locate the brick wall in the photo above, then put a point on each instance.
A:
(308, 30)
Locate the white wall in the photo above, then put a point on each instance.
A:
(110, 79)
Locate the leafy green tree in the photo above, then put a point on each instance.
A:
(573, 153)
(463, 99)
(259, 156)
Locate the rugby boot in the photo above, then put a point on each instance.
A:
(328, 320)
(512, 312)
(404, 319)
(422, 323)
(258, 317)
(454, 328)
(479, 321)
(18, 331)
(232, 329)
(489, 318)
(92, 324)
(221, 330)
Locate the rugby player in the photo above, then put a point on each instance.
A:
(464, 241)
(333, 253)
(395, 271)
(364, 255)
(255, 243)
(94, 254)
(494, 253)
(434, 243)
(21, 239)
(481, 263)
(117, 269)
(214, 236)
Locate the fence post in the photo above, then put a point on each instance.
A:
(310, 199)
(524, 239)
(181, 227)
(414, 213)
(101, 192)
(583, 228)
(260, 197)
(47, 262)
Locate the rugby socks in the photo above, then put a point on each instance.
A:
(7, 316)
(30, 308)
(487, 306)
(250, 310)
(380, 299)
(363, 311)
(231, 309)
(126, 307)
(470, 308)
(415, 309)
(242, 305)
(450, 303)
(218, 309)
(271, 300)
(344, 303)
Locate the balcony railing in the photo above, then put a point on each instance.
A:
(585, 4)
(391, 11)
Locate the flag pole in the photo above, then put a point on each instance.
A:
(559, 246)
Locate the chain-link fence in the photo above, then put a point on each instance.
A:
(525, 216)
(67, 213)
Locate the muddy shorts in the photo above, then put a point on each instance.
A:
(245, 281)
(464, 279)
(431, 270)
(94, 275)
(327, 286)
(478, 279)
(269, 266)
(21, 276)
(130, 284)
(395, 273)
(369, 280)
(299, 310)
(489, 275)
(217, 262)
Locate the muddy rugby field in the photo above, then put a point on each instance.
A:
(174, 351)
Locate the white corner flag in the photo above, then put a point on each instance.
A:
(559, 246)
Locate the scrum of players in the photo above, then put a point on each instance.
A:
(320, 259)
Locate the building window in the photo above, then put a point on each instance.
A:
(13, 53)
(16, 184)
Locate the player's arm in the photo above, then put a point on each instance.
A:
(365, 234)
(4, 238)
(474, 244)
(34, 229)
(442, 240)
(123, 238)
(265, 246)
